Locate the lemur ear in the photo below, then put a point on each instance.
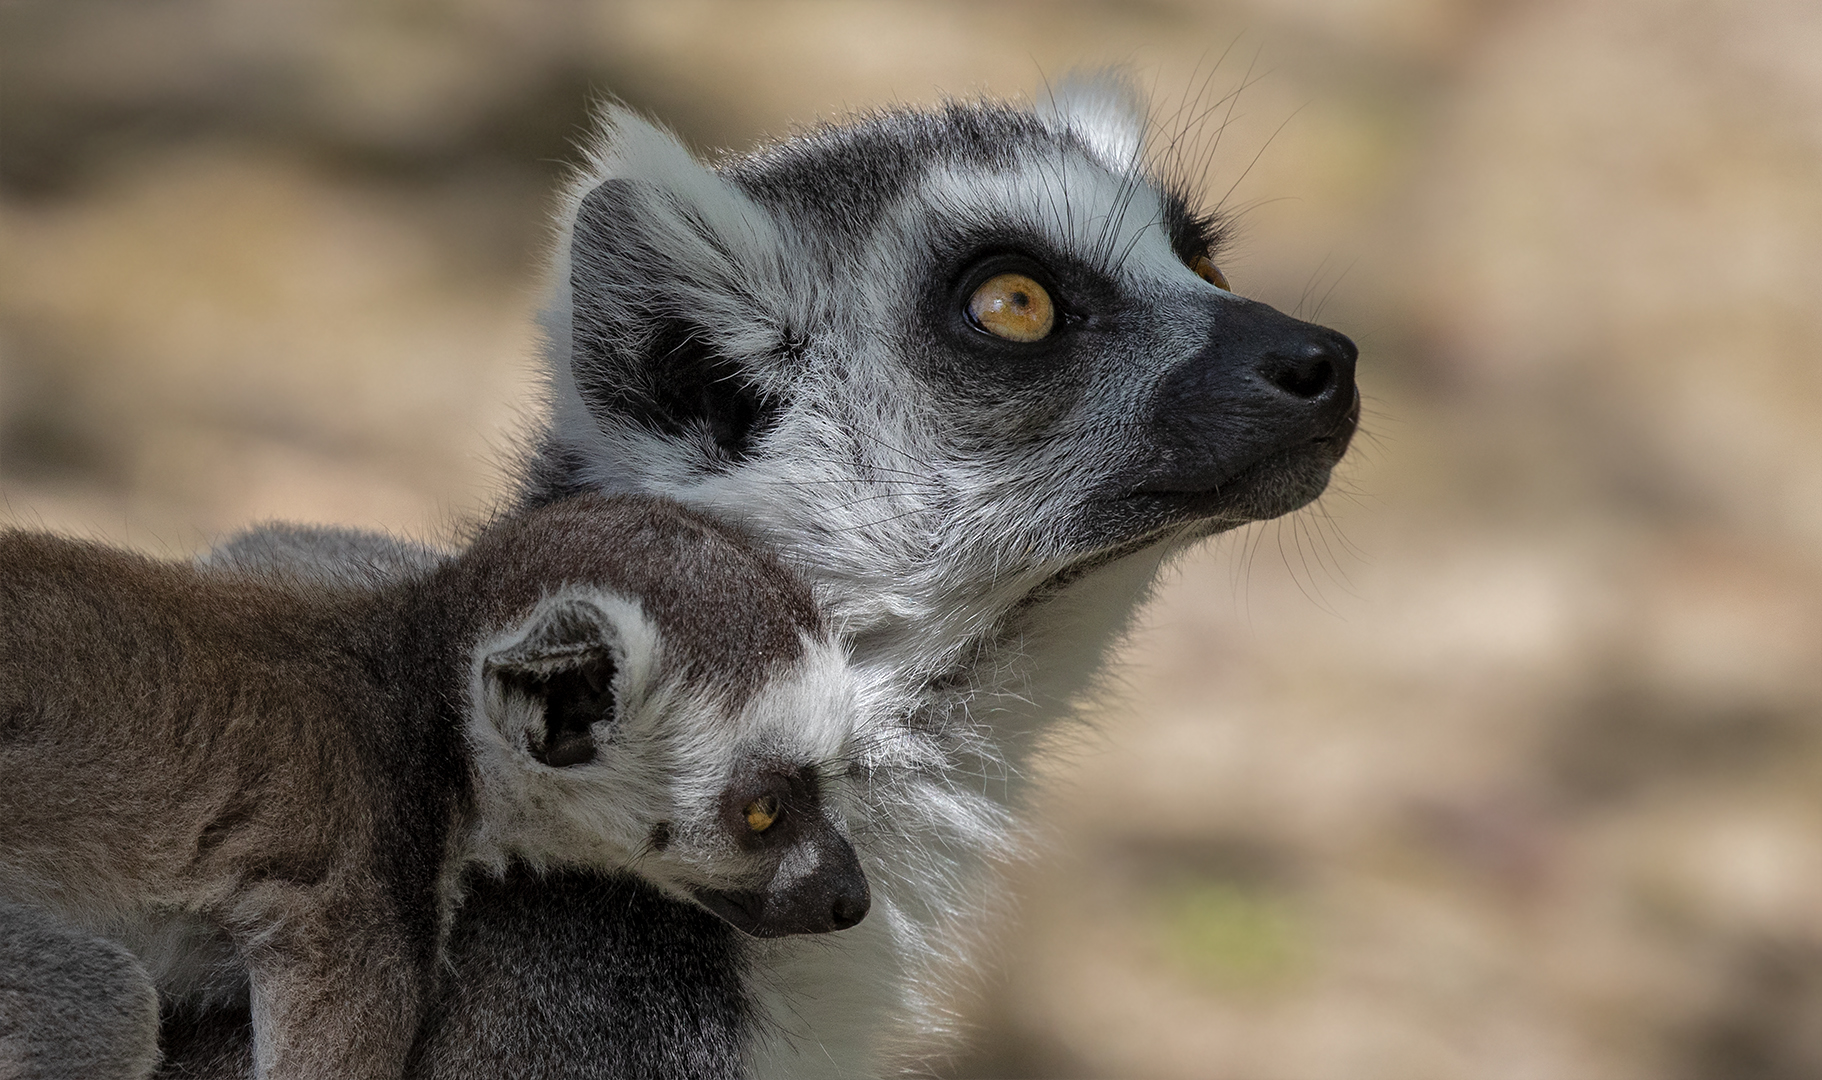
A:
(676, 292)
(1104, 109)
(552, 680)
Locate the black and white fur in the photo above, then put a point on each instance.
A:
(781, 340)
(238, 786)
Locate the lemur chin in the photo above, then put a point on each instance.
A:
(975, 372)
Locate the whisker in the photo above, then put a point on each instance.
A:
(1309, 286)
(851, 481)
(883, 521)
(1268, 142)
(1232, 99)
(1320, 304)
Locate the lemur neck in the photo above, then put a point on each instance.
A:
(1005, 673)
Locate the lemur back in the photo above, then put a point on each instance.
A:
(307, 769)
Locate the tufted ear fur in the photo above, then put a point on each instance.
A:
(552, 680)
(676, 293)
(1106, 111)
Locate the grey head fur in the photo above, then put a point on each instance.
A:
(668, 679)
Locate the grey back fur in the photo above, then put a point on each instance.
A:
(327, 555)
(73, 1006)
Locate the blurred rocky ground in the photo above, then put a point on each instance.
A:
(1504, 761)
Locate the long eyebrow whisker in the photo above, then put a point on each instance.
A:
(1244, 173)
(1326, 293)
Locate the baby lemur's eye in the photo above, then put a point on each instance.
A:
(1206, 270)
(1014, 307)
(762, 812)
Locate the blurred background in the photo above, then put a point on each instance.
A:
(1503, 761)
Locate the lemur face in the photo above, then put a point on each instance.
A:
(688, 721)
(979, 341)
(773, 811)
(1081, 350)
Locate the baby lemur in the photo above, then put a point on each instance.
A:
(300, 772)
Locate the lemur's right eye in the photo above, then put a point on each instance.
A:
(762, 812)
(1014, 307)
(1206, 269)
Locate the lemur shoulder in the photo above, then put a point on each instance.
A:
(303, 772)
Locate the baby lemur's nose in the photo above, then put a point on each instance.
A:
(850, 908)
(1317, 367)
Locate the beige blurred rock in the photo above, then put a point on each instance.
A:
(243, 338)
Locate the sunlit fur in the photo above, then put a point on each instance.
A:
(951, 541)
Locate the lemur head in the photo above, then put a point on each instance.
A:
(650, 693)
(942, 360)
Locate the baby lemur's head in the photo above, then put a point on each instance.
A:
(647, 691)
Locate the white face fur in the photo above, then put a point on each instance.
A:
(594, 750)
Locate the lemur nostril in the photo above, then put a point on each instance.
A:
(1306, 382)
(1310, 369)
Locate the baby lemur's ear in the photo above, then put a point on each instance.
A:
(552, 679)
(678, 299)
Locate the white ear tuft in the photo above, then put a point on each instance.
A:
(635, 149)
(678, 291)
(560, 633)
(1106, 111)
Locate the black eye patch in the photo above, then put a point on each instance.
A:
(766, 807)
(692, 383)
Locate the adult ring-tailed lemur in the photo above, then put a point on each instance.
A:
(974, 372)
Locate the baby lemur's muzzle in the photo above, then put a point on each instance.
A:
(818, 887)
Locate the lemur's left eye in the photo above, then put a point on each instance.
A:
(1206, 269)
(1014, 307)
(762, 812)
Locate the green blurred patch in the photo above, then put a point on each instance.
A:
(1231, 936)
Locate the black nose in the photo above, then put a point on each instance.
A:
(1320, 365)
(1266, 391)
(849, 910)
